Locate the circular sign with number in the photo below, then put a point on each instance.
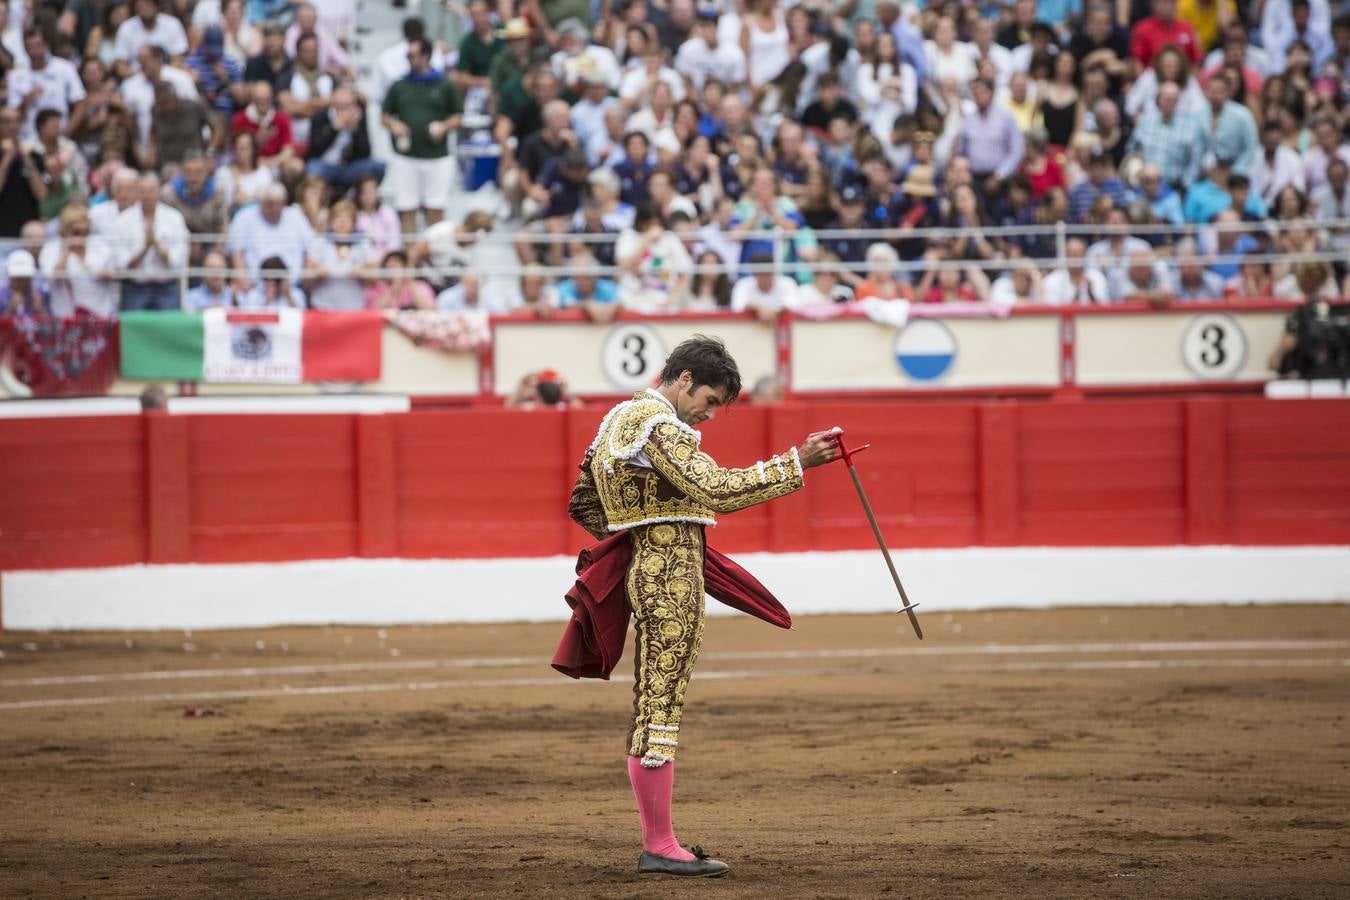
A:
(632, 355)
(1214, 346)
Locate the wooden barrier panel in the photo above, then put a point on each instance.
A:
(494, 483)
(72, 492)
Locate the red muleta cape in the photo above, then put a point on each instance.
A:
(593, 640)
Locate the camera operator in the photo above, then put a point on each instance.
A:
(1316, 342)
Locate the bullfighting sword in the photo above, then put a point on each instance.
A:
(847, 456)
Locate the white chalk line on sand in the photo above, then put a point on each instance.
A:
(508, 662)
(707, 675)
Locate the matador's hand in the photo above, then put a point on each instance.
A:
(820, 448)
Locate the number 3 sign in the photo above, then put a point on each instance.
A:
(1214, 346)
(632, 355)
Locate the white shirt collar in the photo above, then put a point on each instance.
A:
(659, 396)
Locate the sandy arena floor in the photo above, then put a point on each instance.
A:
(1071, 753)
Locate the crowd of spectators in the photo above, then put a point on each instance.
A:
(643, 148)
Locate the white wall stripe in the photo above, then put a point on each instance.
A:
(322, 592)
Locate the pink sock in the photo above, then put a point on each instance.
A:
(653, 788)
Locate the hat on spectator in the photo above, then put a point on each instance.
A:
(924, 137)
(20, 264)
(1216, 160)
(852, 193)
(574, 27)
(515, 29)
(213, 40)
(708, 12)
(822, 28)
(1099, 154)
(591, 75)
(919, 182)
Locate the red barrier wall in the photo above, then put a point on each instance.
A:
(484, 483)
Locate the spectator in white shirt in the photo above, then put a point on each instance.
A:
(577, 57)
(149, 26)
(654, 262)
(637, 86)
(122, 196)
(588, 113)
(983, 46)
(1332, 202)
(215, 289)
(1074, 282)
(1276, 167)
(1111, 253)
(1144, 277)
(138, 91)
(79, 269)
(266, 229)
(153, 250)
(48, 82)
(331, 56)
(703, 56)
(1021, 284)
(657, 114)
(11, 33)
(764, 293)
(1326, 145)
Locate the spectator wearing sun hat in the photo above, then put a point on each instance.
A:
(21, 296)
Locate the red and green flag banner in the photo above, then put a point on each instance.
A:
(284, 346)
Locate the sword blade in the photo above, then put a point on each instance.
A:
(881, 542)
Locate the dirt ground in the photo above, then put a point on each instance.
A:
(1072, 753)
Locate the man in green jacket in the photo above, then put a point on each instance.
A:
(419, 111)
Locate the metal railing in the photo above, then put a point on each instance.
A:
(781, 241)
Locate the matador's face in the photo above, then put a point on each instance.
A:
(695, 405)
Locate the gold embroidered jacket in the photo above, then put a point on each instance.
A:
(644, 466)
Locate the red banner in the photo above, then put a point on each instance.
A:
(48, 357)
(341, 346)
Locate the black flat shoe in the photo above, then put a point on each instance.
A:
(699, 867)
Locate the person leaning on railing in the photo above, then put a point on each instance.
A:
(20, 296)
(1075, 281)
(79, 268)
(215, 290)
(335, 262)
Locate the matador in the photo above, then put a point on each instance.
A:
(649, 492)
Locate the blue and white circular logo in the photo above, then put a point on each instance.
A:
(925, 349)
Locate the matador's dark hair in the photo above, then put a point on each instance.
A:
(708, 361)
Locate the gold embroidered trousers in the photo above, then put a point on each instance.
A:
(665, 590)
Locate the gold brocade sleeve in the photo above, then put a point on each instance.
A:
(584, 506)
(675, 454)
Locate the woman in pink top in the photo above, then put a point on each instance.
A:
(396, 289)
(374, 219)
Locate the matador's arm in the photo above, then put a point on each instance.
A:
(584, 506)
(675, 454)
